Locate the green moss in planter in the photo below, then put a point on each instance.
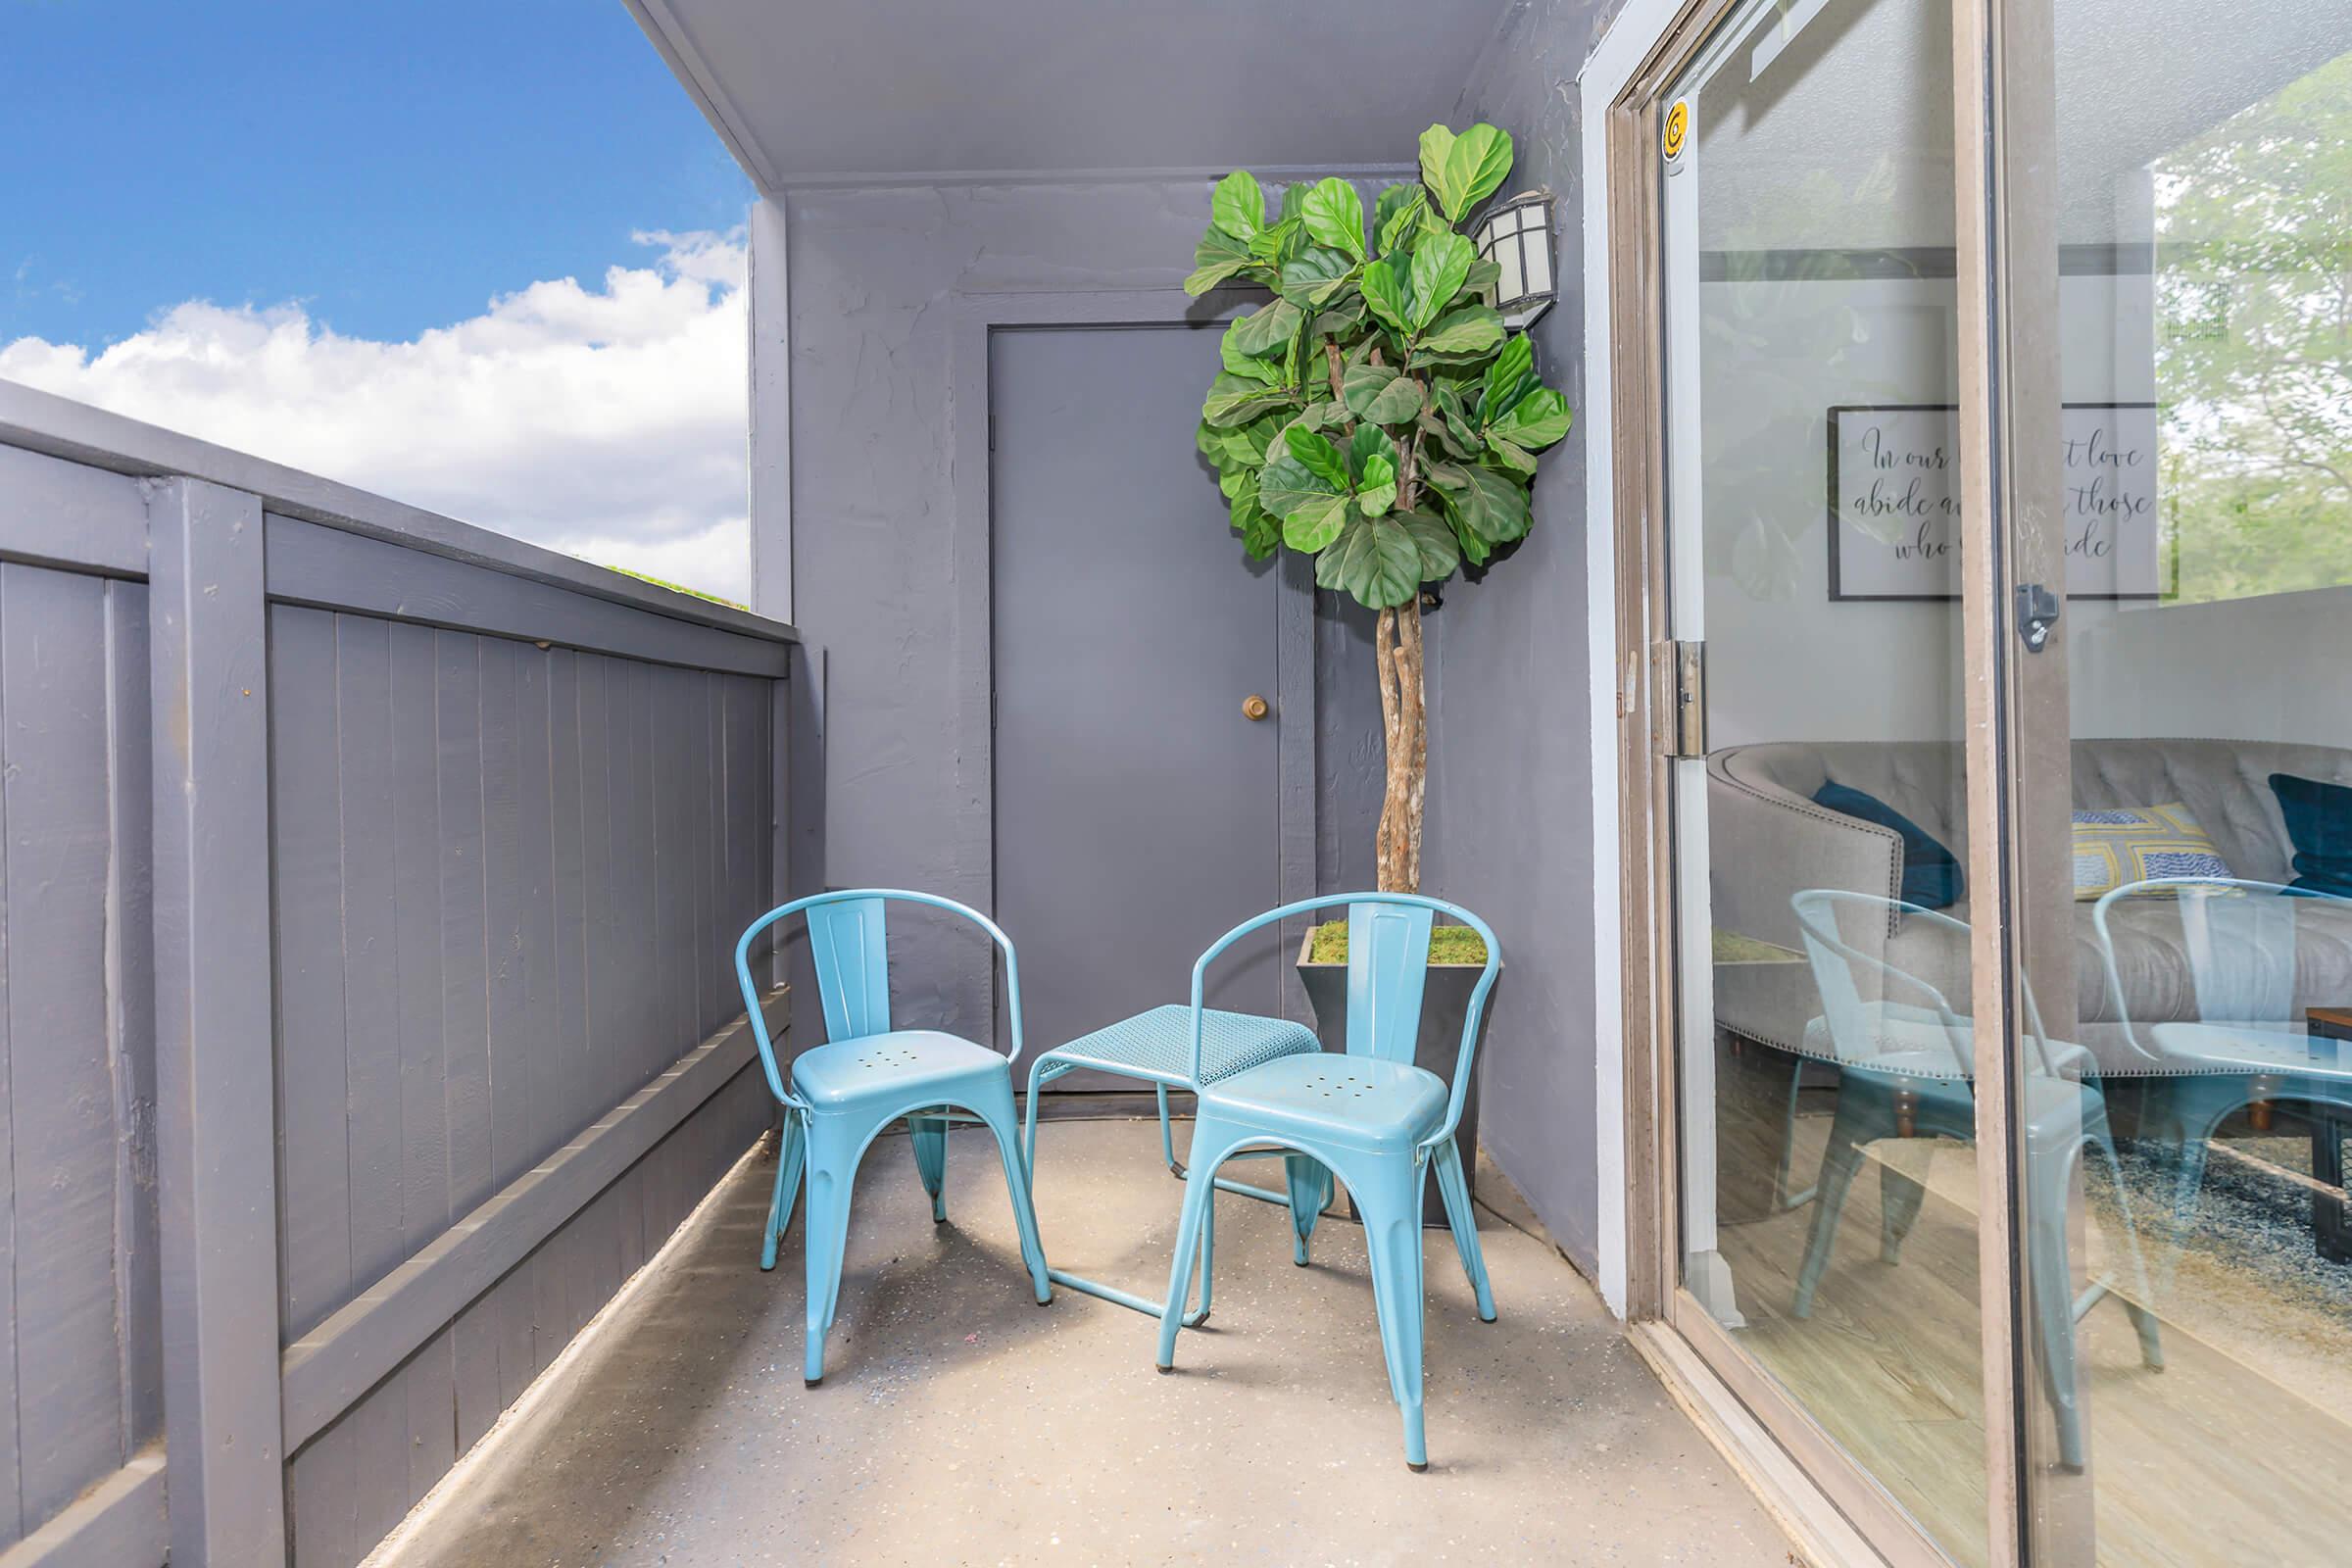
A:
(1447, 944)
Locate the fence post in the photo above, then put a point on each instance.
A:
(216, 1088)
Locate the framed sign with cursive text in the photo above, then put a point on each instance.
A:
(1894, 501)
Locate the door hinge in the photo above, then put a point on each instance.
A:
(1680, 678)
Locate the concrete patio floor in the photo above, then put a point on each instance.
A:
(960, 1422)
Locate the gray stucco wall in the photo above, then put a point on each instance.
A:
(875, 274)
(1510, 789)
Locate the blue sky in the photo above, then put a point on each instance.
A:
(487, 259)
(392, 163)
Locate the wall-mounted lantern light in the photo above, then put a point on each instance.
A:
(1516, 236)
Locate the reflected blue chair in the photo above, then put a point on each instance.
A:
(1372, 1117)
(1907, 1065)
(2249, 1041)
(868, 1075)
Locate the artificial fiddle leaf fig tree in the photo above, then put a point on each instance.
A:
(1375, 414)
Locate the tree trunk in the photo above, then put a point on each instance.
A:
(1396, 649)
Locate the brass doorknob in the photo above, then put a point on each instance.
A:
(1253, 708)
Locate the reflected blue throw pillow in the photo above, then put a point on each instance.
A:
(1930, 875)
(2319, 823)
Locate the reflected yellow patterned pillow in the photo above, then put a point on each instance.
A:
(2139, 843)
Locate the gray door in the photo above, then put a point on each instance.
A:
(1136, 802)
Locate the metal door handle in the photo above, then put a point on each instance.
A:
(2037, 610)
(1253, 708)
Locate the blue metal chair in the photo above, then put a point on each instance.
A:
(1372, 1117)
(868, 1075)
(2250, 1041)
(1907, 1065)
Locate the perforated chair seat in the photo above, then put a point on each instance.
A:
(896, 1060)
(1157, 1046)
(1357, 1102)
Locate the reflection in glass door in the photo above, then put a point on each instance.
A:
(2183, 738)
(1825, 1091)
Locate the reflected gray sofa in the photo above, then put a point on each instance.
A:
(1769, 841)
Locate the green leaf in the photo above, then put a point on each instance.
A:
(1536, 420)
(1266, 329)
(1471, 330)
(1470, 166)
(1294, 200)
(1286, 484)
(1215, 258)
(1237, 399)
(1399, 403)
(1513, 458)
(1259, 532)
(1236, 481)
(1368, 442)
(1278, 244)
(1363, 382)
(1441, 429)
(1318, 457)
(1508, 379)
(1435, 142)
(1335, 215)
(1439, 551)
(1484, 279)
(1375, 561)
(1439, 264)
(1376, 491)
(1396, 214)
(1237, 206)
(1314, 523)
(1239, 361)
(1388, 289)
(1493, 506)
(1340, 320)
(1315, 276)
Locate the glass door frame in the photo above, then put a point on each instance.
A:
(2003, 119)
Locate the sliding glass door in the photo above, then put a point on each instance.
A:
(1810, 303)
(2180, 382)
(1995, 586)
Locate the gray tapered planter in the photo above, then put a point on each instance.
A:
(1445, 999)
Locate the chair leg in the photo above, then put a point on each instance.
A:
(2050, 1282)
(832, 1168)
(1200, 1192)
(791, 1149)
(2144, 1322)
(1839, 1163)
(1387, 1191)
(994, 1106)
(1309, 1183)
(1900, 1194)
(1167, 1133)
(1462, 1220)
(929, 1135)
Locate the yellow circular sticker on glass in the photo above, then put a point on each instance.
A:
(1678, 126)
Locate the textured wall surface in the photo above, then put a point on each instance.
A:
(1510, 759)
(875, 274)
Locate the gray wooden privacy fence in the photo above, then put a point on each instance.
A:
(369, 886)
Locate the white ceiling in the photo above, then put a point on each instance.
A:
(886, 89)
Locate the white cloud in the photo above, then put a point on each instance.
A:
(608, 422)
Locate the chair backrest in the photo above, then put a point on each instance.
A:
(1858, 1024)
(1387, 966)
(849, 944)
(1860, 994)
(2241, 937)
(1388, 963)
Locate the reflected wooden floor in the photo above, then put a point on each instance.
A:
(2229, 1456)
